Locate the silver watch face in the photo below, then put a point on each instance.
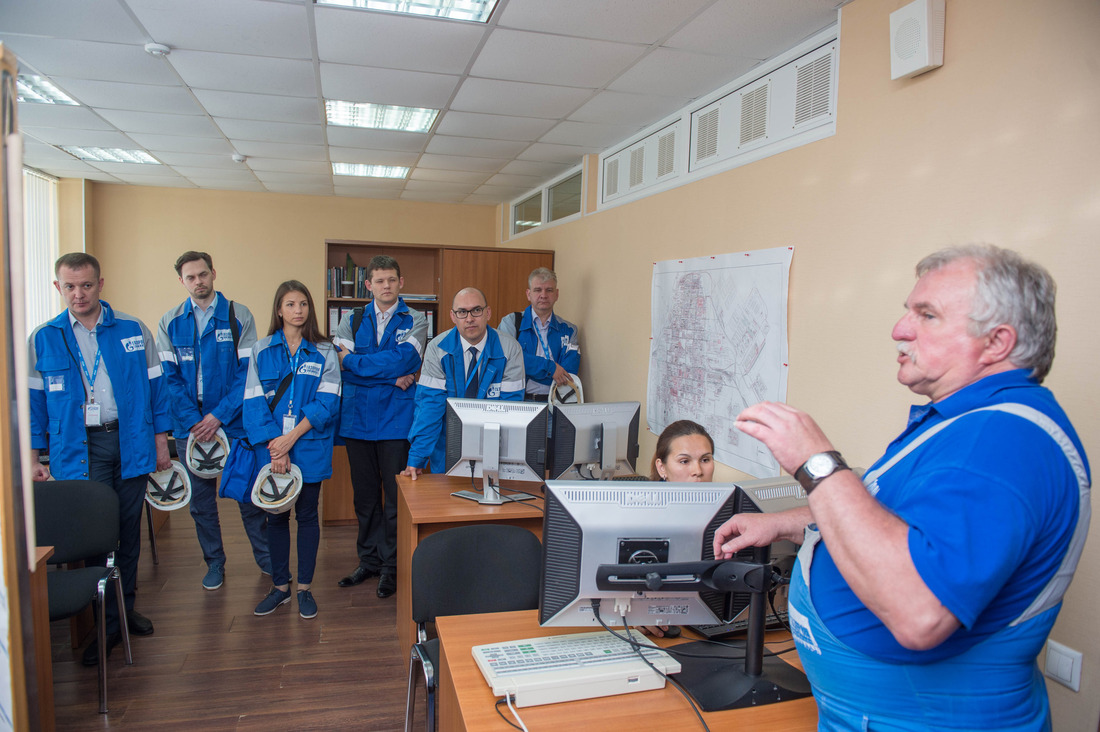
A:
(820, 465)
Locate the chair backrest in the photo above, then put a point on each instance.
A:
(78, 518)
(483, 568)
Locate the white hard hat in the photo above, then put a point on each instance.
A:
(206, 459)
(566, 393)
(277, 492)
(168, 489)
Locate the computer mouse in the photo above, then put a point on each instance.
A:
(672, 631)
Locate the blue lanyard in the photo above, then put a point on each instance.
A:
(293, 370)
(477, 364)
(84, 368)
(542, 341)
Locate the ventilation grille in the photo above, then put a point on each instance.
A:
(707, 146)
(754, 114)
(637, 166)
(812, 89)
(666, 154)
(611, 178)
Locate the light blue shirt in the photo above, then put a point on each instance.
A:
(102, 392)
(202, 319)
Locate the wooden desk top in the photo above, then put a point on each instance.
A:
(663, 709)
(429, 500)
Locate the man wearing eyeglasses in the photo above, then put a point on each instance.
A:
(470, 360)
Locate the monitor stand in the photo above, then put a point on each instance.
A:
(490, 493)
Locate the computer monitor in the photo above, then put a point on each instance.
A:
(594, 441)
(644, 551)
(495, 440)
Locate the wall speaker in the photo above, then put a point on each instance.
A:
(916, 38)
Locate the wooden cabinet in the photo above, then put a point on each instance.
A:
(437, 272)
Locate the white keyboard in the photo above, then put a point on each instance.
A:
(561, 668)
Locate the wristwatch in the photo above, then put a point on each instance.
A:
(819, 467)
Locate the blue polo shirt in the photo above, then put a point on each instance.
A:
(991, 503)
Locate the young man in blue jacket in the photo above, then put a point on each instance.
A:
(380, 349)
(470, 360)
(205, 343)
(99, 404)
(551, 352)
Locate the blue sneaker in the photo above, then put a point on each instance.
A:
(274, 599)
(307, 607)
(214, 578)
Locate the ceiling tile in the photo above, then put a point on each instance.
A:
(263, 148)
(377, 139)
(122, 169)
(356, 181)
(269, 107)
(240, 174)
(387, 86)
(474, 147)
(176, 143)
(252, 74)
(526, 182)
(290, 166)
(237, 129)
(156, 123)
(386, 40)
(90, 60)
(493, 126)
(440, 186)
(452, 162)
(88, 20)
(228, 185)
(593, 137)
(517, 99)
(356, 192)
(546, 59)
(544, 171)
(758, 30)
(548, 153)
(668, 72)
(628, 21)
(198, 160)
(138, 97)
(617, 108)
(60, 115)
(81, 138)
(278, 177)
(242, 26)
(453, 176)
(372, 157)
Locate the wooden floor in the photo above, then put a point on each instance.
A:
(212, 665)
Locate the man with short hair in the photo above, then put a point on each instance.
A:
(470, 360)
(551, 352)
(936, 580)
(380, 349)
(205, 343)
(99, 404)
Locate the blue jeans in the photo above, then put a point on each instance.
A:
(309, 537)
(204, 509)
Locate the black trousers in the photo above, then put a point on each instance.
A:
(105, 466)
(374, 467)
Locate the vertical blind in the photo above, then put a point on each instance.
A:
(41, 242)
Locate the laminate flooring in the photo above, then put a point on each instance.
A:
(212, 665)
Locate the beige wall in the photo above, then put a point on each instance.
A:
(257, 240)
(1001, 144)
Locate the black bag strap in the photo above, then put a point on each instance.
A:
(234, 327)
(356, 320)
(518, 315)
(283, 386)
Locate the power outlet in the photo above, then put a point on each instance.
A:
(1064, 665)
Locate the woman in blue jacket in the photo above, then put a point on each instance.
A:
(291, 405)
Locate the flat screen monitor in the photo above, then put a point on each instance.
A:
(495, 440)
(590, 523)
(594, 441)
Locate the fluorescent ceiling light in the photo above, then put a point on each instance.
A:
(379, 116)
(474, 10)
(40, 90)
(111, 155)
(369, 171)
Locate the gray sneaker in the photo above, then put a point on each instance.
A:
(274, 599)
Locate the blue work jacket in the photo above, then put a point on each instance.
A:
(224, 365)
(58, 395)
(314, 393)
(372, 406)
(561, 337)
(444, 375)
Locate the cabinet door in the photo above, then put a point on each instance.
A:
(501, 275)
(512, 282)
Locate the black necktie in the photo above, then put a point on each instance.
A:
(471, 382)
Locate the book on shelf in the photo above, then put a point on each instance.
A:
(347, 282)
(416, 296)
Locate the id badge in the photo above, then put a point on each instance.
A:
(288, 423)
(91, 415)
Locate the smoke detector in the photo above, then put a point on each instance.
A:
(157, 49)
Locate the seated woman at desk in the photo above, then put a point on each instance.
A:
(684, 454)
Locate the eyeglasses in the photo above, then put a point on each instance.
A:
(461, 313)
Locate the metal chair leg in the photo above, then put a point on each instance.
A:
(123, 622)
(152, 535)
(410, 698)
(101, 594)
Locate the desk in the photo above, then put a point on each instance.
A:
(466, 702)
(425, 506)
(43, 662)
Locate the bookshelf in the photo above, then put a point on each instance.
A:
(434, 272)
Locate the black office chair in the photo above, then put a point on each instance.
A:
(484, 568)
(79, 518)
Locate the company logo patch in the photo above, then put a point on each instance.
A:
(402, 333)
(565, 341)
(310, 369)
(223, 335)
(494, 392)
(186, 353)
(132, 345)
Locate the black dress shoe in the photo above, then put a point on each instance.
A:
(138, 623)
(358, 577)
(91, 653)
(387, 584)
